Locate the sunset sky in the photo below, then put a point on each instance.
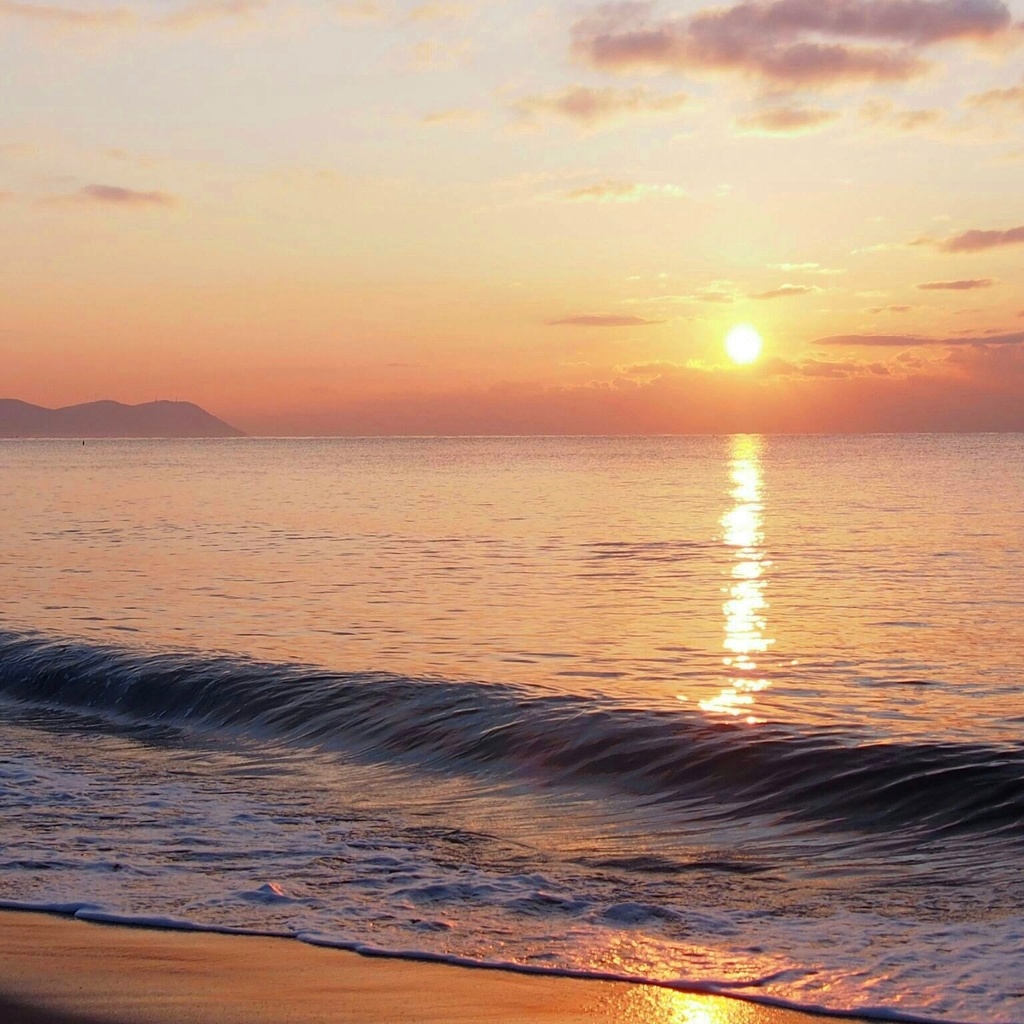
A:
(375, 216)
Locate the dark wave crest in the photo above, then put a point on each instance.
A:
(834, 780)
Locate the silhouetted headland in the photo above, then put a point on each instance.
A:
(111, 419)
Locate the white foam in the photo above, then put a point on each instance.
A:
(225, 845)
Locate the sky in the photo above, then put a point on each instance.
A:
(408, 217)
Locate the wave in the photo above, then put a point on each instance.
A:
(827, 778)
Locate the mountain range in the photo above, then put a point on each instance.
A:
(111, 419)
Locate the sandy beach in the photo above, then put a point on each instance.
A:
(56, 969)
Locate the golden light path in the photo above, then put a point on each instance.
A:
(745, 604)
(745, 639)
(648, 1005)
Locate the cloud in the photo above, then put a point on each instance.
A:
(358, 10)
(650, 370)
(602, 320)
(883, 112)
(73, 17)
(716, 293)
(967, 285)
(976, 240)
(994, 99)
(821, 368)
(788, 43)
(772, 366)
(589, 107)
(824, 368)
(785, 291)
(806, 268)
(457, 115)
(604, 191)
(915, 341)
(623, 192)
(114, 195)
(890, 309)
(374, 10)
(875, 340)
(970, 389)
(786, 121)
(186, 16)
(203, 11)
(1001, 364)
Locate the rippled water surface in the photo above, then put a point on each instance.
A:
(743, 712)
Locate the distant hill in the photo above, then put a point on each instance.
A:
(111, 419)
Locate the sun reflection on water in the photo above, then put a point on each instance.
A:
(745, 604)
(645, 1004)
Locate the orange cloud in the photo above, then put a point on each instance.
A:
(882, 112)
(979, 390)
(187, 16)
(602, 320)
(999, 363)
(874, 340)
(1012, 98)
(114, 195)
(807, 268)
(823, 368)
(623, 192)
(915, 341)
(785, 291)
(977, 240)
(202, 11)
(590, 107)
(967, 285)
(457, 115)
(789, 43)
(786, 121)
(650, 370)
(358, 10)
(775, 366)
(71, 16)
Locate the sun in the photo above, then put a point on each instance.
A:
(743, 344)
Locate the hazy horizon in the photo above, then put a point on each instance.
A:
(216, 421)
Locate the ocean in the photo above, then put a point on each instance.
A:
(738, 714)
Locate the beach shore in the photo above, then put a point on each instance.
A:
(57, 970)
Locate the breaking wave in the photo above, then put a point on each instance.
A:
(827, 778)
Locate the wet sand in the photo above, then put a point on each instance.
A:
(57, 970)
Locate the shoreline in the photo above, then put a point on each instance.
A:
(56, 969)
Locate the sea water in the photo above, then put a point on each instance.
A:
(741, 714)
